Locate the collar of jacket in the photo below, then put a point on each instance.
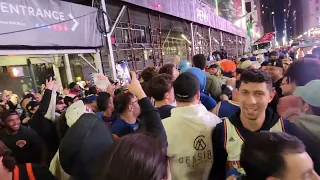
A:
(271, 119)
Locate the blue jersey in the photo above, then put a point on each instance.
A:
(227, 108)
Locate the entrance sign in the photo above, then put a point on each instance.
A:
(48, 23)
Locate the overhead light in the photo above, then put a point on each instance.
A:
(305, 33)
(284, 10)
(272, 12)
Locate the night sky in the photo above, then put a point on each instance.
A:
(277, 6)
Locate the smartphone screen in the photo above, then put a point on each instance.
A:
(123, 72)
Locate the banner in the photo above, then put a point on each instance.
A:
(48, 23)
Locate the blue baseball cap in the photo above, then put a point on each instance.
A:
(309, 93)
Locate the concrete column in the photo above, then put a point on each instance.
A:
(56, 71)
(68, 69)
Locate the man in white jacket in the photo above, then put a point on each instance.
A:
(189, 131)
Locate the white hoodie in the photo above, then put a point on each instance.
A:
(189, 131)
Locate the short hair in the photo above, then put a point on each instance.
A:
(303, 71)
(262, 153)
(103, 100)
(148, 73)
(214, 66)
(143, 155)
(256, 76)
(159, 85)
(72, 85)
(8, 160)
(199, 61)
(93, 90)
(274, 53)
(167, 69)
(239, 71)
(122, 101)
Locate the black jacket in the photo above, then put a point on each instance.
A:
(43, 126)
(150, 120)
(83, 145)
(218, 170)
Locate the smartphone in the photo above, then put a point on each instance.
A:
(123, 72)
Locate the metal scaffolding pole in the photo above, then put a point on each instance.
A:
(192, 40)
(210, 42)
(68, 68)
(34, 82)
(110, 31)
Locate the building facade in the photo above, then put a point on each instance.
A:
(151, 33)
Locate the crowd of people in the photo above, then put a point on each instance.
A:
(254, 118)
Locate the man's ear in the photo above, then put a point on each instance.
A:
(306, 107)
(272, 94)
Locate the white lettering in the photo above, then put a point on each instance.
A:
(4, 7)
(62, 16)
(39, 13)
(47, 14)
(23, 9)
(55, 16)
(31, 11)
(14, 8)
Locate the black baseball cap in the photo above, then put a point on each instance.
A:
(31, 105)
(186, 86)
(275, 63)
(5, 114)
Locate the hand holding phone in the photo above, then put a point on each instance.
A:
(135, 87)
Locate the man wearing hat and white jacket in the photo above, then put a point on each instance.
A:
(189, 131)
(309, 120)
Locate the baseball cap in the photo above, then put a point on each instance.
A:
(275, 63)
(186, 85)
(92, 98)
(246, 64)
(31, 105)
(74, 112)
(309, 93)
(8, 113)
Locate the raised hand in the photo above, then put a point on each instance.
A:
(50, 84)
(135, 87)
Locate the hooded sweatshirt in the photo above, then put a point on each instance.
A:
(218, 171)
(310, 124)
(205, 99)
(190, 145)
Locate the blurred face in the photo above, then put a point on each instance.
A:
(213, 71)
(134, 107)
(299, 166)
(61, 106)
(38, 97)
(273, 57)
(175, 73)
(275, 72)
(287, 88)
(253, 99)
(13, 122)
(76, 87)
(110, 108)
